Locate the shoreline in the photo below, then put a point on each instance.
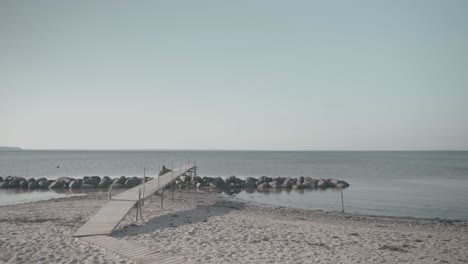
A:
(225, 195)
(202, 227)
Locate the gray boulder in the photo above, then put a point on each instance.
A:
(274, 184)
(265, 179)
(309, 184)
(279, 180)
(32, 185)
(13, 184)
(24, 184)
(105, 182)
(250, 182)
(218, 183)
(322, 183)
(96, 178)
(231, 179)
(56, 184)
(263, 186)
(122, 180)
(42, 184)
(91, 181)
(288, 183)
(74, 184)
(132, 182)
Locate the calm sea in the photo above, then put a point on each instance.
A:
(418, 184)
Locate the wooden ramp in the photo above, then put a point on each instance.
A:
(110, 215)
(137, 253)
(98, 229)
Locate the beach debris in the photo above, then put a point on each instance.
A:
(393, 248)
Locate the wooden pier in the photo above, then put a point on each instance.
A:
(98, 229)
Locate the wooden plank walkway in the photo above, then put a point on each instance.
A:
(98, 229)
(110, 215)
(137, 253)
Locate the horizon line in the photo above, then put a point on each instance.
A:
(215, 149)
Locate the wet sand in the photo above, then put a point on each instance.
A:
(202, 228)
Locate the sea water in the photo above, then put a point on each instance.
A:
(425, 184)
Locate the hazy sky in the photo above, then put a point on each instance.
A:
(312, 75)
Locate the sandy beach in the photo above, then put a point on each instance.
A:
(200, 227)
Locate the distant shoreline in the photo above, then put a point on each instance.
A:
(10, 148)
(235, 150)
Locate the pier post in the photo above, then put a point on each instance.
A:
(162, 199)
(138, 205)
(172, 193)
(144, 182)
(109, 195)
(342, 203)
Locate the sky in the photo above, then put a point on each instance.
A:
(252, 75)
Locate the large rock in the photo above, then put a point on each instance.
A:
(250, 182)
(32, 185)
(24, 184)
(322, 183)
(265, 179)
(231, 179)
(122, 180)
(3, 185)
(298, 185)
(13, 184)
(56, 184)
(263, 186)
(105, 182)
(18, 179)
(341, 184)
(274, 184)
(218, 183)
(288, 183)
(42, 183)
(279, 180)
(74, 184)
(309, 183)
(91, 181)
(132, 182)
(96, 178)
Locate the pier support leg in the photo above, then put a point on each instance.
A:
(342, 203)
(162, 199)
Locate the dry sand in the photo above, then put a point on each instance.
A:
(202, 228)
